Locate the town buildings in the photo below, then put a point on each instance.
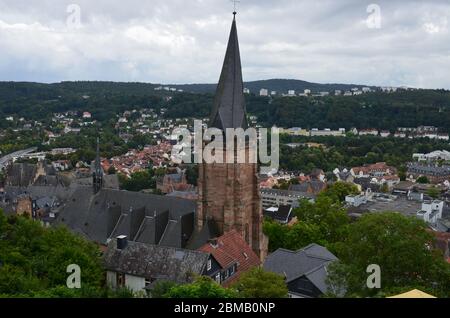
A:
(431, 211)
(275, 198)
(434, 156)
(435, 174)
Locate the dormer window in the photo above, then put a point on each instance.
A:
(209, 265)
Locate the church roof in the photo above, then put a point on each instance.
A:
(141, 217)
(229, 104)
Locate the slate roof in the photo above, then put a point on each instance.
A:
(283, 213)
(229, 104)
(289, 193)
(110, 181)
(25, 174)
(315, 185)
(155, 262)
(428, 169)
(142, 217)
(59, 191)
(202, 235)
(310, 262)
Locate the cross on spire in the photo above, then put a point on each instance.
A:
(235, 2)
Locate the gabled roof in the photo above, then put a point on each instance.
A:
(310, 261)
(155, 262)
(413, 294)
(229, 104)
(232, 249)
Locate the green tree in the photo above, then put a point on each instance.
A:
(339, 190)
(384, 188)
(400, 246)
(327, 214)
(433, 192)
(422, 180)
(162, 288)
(202, 287)
(138, 181)
(34, 259)
(277, 234)
(323, 222)
(257, 283)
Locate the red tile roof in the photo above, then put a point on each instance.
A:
(231, 248)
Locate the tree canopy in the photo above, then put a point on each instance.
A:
(202, 287)
(34, 260)
(257, 283)
(401, 246)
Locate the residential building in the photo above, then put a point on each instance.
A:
(275, 198)
(435, 174)
(282, 214)
(139, 266)
(385, 133)
(327, 132)
(87, 115)
(356, 200)
(368, 132)
(310, 186)
(230, 257)
(431, 211)
(264, 92)
(305, 270)
(174, 182)
(345, 175)
(294, 131)
(379, 169)
(61, 165)
(437, 155)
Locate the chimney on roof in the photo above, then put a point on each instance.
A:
(214, 242)
(122, 242)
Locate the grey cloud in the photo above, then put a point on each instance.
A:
(178, 41)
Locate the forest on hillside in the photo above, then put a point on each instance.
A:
(106, 99)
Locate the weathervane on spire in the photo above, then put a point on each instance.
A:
(235, 2)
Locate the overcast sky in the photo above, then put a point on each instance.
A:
(183, 41)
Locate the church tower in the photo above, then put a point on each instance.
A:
(97, 175)
(229, 193)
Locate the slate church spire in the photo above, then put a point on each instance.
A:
(228, 193)
(97, 177)
(229, 104)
